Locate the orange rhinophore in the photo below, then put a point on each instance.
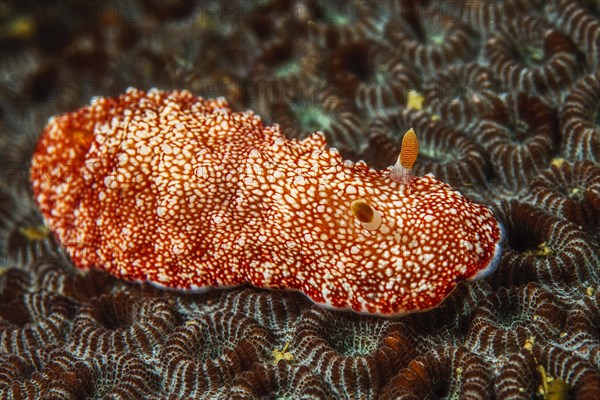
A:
(401, 171)
(409, 150)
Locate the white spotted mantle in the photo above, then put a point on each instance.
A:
(187, 194)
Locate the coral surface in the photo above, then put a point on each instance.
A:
(507, 112)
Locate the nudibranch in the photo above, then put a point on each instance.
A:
(184, 193)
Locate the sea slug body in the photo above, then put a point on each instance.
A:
(185, 193)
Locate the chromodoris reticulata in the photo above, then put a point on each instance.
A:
(183, 192)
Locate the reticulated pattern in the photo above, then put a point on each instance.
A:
(20, 131)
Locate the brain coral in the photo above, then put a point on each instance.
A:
(529, 331)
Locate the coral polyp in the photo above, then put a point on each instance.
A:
(378, 80)
(433, 40)
(318, 108)
(531, 55)
(580, 120)
(520, 136)
(570, 191)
